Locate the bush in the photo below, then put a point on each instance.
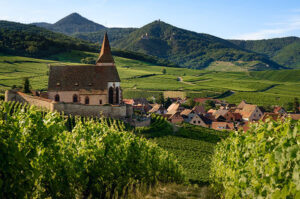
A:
(261, 163)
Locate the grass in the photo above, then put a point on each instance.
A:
(141, 79)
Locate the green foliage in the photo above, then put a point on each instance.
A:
(192, 145)
(26, 85)
(186, 48)
(261, 163)
(201, 133)
(161, 99)
(114, 34)
(29, 40)
(88, 60)
(164, 71)
(209, 104)
(159, 127)
(282, 50)
(39, 158)
(194, 156)
(296, 105)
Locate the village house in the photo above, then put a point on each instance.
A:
(233, 117)
(222, 126)
(279, 110)
(97, 84)
(200, 120)
(175, 118)
(187, 114)
(175, 107)
(249, 112)
(199, 109)
(158, 109)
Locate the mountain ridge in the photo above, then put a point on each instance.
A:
(73, 23)
(199, 50)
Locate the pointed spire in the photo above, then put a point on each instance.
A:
(105, 54)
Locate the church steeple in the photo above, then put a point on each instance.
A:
(105, 56)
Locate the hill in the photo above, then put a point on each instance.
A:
(187, 48)
(284, 51)
(29, 40)
(73, 23)
(115, 34)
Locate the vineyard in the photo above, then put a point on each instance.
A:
(261, 163)
(41, 158)
(192, 145)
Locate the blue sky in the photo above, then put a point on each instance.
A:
(230, 19)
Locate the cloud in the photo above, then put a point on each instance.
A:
(280, 29)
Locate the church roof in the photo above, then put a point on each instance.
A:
(105, 54)
(78, 77)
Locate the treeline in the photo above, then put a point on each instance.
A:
(143, 57)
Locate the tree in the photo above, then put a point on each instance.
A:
(296, 105)
(26, 85)
(161, 99)
(289, 106)
(191, 102)
(164, 71)
(168, 102)
(209, 104)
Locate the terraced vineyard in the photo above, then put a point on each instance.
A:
(141, 79)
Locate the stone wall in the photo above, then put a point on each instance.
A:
(71, 108)
(12, 95)
(91, 110)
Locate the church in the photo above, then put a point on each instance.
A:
(97, 84)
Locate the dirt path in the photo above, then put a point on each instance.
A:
(181, 80)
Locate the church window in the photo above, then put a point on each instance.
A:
(87, 100)
(111, 95)
(75, 98)
(56, 98)
(117, 95)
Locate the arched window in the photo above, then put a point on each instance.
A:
(75, 98)
(56, 98)
(100, 101)
(111, 95)
(87, 100)
(117, 95)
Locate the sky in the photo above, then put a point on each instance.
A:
(228, 19)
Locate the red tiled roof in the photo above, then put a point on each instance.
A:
(295, 116)
(273, 116)
(186, 112)
(128, 101)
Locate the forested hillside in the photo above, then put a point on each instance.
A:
(114, 34)
(186, 48)
(284, 51)
(29, 40)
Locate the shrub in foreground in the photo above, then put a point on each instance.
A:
(261, 163)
